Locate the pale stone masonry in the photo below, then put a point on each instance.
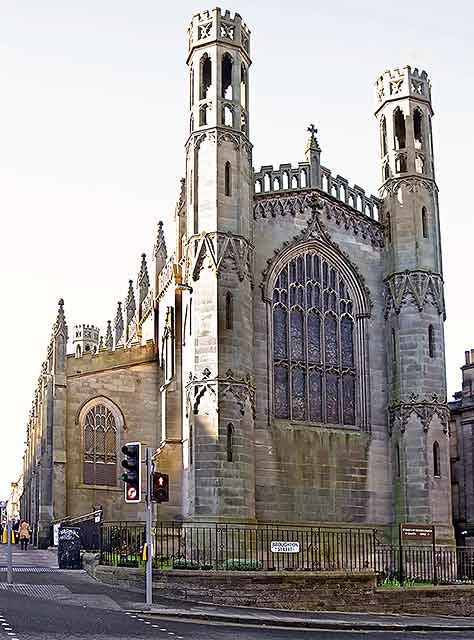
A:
(286, 361)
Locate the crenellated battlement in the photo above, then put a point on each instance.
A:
(405, 82)
(287, 178)
(217, 25)
(122, 356)
(86, 332)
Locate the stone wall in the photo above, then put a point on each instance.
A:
(128, 378)
(334, 591)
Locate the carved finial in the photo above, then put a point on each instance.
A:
(101, 343)
(312, 144)
(109, 339)
(130, 304)
(60, 326)
(143, 282)
(160, 244)
(118, 324)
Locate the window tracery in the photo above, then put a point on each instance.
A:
(100, 446)
(313, 343)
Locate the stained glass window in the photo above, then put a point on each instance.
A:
(100, 447)
(314, 377)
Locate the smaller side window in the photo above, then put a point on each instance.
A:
(436, 460)
(228, 179)
(230, 442)
(191, 447)
(424, 222)
(431, 341)
(229, 311)
(388, 225)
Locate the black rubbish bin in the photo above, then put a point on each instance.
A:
(69, 548)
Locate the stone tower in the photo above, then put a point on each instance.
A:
(218, 356)
(414, 301)
(85, 340)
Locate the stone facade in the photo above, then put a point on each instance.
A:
(296, 368)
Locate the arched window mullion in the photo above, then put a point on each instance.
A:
(324, 413)
(288, 346)
(306, 343)
(99, 446)
(315, 372)
(339, 366)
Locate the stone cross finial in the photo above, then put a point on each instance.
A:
(312, 144)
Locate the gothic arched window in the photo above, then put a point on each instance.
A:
(313, 343)
(100, 446)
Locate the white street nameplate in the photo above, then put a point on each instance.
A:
(278, 546)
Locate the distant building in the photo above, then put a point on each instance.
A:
(13, 501)
(286, 358)
(462, 453)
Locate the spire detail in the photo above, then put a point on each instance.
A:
(118, 324)
(160, 244)
(130, 304)
(109, 339)
(143, 282)
(60, 326)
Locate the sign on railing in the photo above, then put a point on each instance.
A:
(416, 533)
(279, 546)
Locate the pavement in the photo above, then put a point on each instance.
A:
(46, 603)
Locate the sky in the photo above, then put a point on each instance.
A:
(93, 121)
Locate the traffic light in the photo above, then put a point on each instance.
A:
(160, 487)
(132, 474)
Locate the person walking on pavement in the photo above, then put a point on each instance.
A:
(15, 530)
(24, 530)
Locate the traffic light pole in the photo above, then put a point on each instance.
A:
(149, 573)
(9, 552)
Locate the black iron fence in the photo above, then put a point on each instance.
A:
(425, 564)
(232, 546)
(211, 546)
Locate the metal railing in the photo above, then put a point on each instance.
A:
(211, 546)
(425, 564)
(238, 546)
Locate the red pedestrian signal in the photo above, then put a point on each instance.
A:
(160, 486)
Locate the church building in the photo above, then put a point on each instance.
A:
(284, 357)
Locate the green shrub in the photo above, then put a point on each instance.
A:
(206, 566)
(241, 565)
(182, 563)
(390, 581)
